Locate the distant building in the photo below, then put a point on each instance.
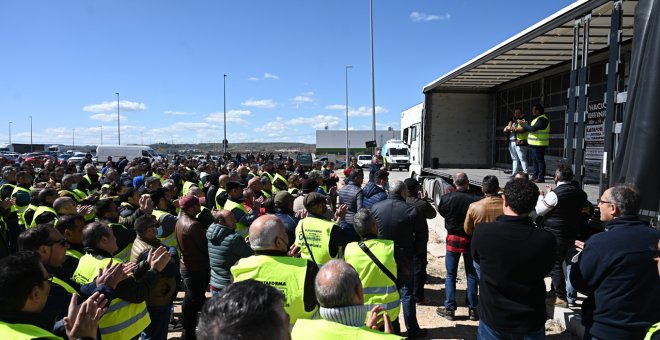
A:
(334, 141)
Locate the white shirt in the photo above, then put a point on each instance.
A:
(546, 203)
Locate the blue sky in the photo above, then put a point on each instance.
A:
(62, 62)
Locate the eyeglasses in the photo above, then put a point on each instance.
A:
(63, 242)
(601, 201)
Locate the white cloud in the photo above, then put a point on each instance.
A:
(107, 117)
(253, 78)
(179, 113)
(307, 97)
(274, 128)
(270, 76)
(423, 17)
(233, 116)
(362, 111)
(124, 105)
(260, 103)
(316, 122)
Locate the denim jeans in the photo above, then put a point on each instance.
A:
(160, 318)
(571, 293)
(557, 273)
(538, 159)
(420, 263)
(451, 263)
(477, 269)
(196, 283)
(518, 155)
(487, 333)
(405, 265)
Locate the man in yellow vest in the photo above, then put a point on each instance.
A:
(51, 247)
(320, 240)
(108, 213)
(221, 194)
(127, 315)
(266, 187)
(378, 287)
(45, 212)
(280, 181)
(21, 192)
(272, 265)
(538, 138)
(8, 181)
(24, 288)
(71, 227)
(26, 216)
(517, 142)
(340, 295)
(248, 310)
(235, 204)
(166, 221)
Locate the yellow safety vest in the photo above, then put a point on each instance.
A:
(270, 177)
(18, 208)
(317, 233)
(218, 193)
(328, 330)
(241, 228)
(74, 253)
(40, 210)
(379, 290)
(521, 135)
(124, 254)
(287, 274)
(19, 331)
(294, 191)
(65, 285)
(266, 194)
(169, 240)
(77, 194)
(186, 187)
(122, 320)
(160, 178)
(539, 137)
(652, 330)
(21, 216)
(324, 188)
(280, 177)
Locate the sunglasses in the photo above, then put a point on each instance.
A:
(63, 242)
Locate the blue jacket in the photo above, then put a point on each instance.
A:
(290, 223)
(617, 270)
(372, 194)
(226, 247)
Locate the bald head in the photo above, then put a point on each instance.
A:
(255, 183)
(268, 233)
(338, 285)
(65, 206)
(223, 181)
(225, 218)
(461, 180)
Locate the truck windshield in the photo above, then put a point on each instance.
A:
(399, 152)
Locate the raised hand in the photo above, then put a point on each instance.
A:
(82, 321)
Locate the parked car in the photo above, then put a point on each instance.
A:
(36, 158)
(338, 163)
(364, 161)
(11, 157)
(305, 160)
(77, 157)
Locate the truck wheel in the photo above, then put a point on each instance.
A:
(436, 193)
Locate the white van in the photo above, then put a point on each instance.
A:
(129, 151)
(396, 154)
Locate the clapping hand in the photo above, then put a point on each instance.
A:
(341, 212)
(82, 320)
(159, 258)
(146, 204)
(111, 275)
(377, 319)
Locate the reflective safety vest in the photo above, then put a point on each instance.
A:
(122, 320)
(379, 290)
(520, 135)
(218, 193)
(241, 228)
(652, 331)
(317, 233)
(186, 187)
(74, 253)
(89, 180)
(328, 330)
(160, 178)
(65, 285)
(30, 207)
(287, 274)
(169, 240)
(270, 177)
(281, 178)
(19, 331)
(77, 194)
(266, 194)
(294, 191)
(40, 210)
(19, 208)
(539, 137)
(123, 254)
(324, 188)
(12, 186)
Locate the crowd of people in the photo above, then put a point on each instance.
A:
(287, 252)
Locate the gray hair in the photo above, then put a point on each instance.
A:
(461, 179)
(399, 188)
(363, 221)
(89, 166)
(626, 197)
(335, 284)
(266, 238)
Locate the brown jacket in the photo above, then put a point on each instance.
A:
(191, 236)
(484, 210)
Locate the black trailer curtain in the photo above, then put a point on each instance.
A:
(638, 156)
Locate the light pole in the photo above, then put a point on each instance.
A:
(10, 148)
(101, 134)
(347, 147)
(224, 103)
(373, 83)
(73, 139)
(30, 133)
(118, 127)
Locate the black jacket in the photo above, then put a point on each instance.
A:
(565, 218)
(425, 211)
(396, 222)
(453, 207)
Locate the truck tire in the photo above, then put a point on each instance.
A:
(437, 193)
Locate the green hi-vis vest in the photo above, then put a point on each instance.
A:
(281, 178)
(379, 290)
(521, 135)
(218, 193)
(270, 177)
(122, 254)
(18, 208)
(317, 233)
(21, 216)
(324, 188)
(66, 286)
(294, 191)
(241, 228)
(40, 210)
(74, 253)
(160, 178)
(287, 274)
(652, 330)
(19, 331)
(266, 194)
(90, 182)
(539, 137)
(122, 320)
(169, 240)
(328, 330)
(186, 187)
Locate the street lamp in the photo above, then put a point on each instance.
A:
(73, 139)
(347, 147)
(101, 134)
(30, 133)
(373, 83)
(224, 103)
(10, 137)
(118, 127)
